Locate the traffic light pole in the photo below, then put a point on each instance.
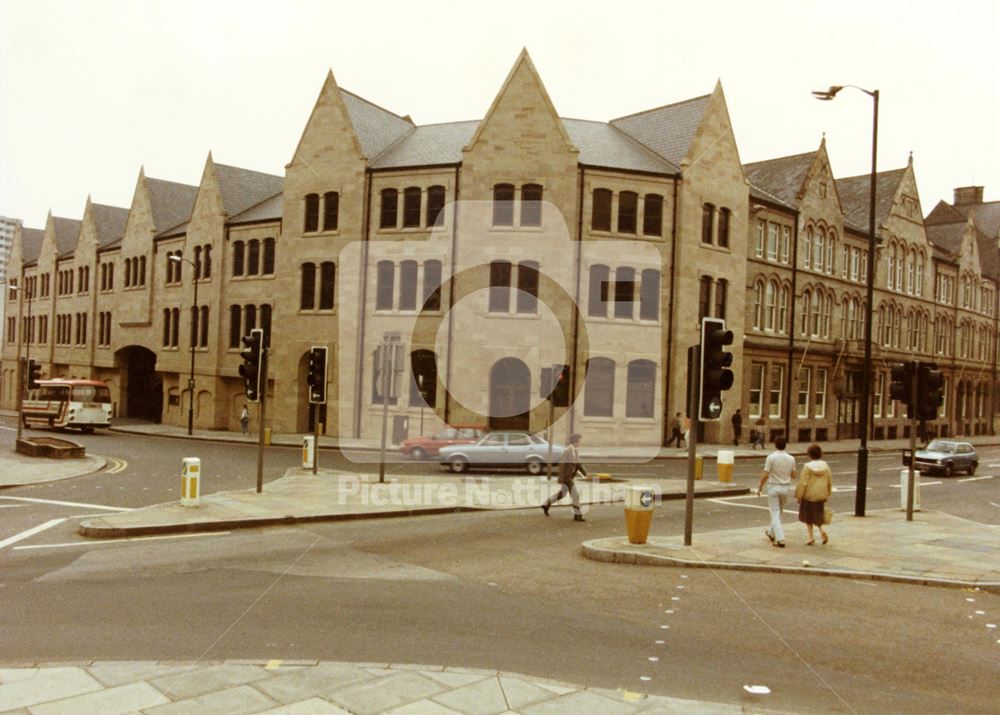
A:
(694, 363)
(548, 438)
(260, 418)
(387, 367)
(315, 409)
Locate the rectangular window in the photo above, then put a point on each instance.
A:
(503, 205)
(531, 205)
(721, 287)
(235, 316)
(819, 400)
(500, 273)
(724, 217)
(331, 211)
(772, 241)
(527, 287)
(628, 206)
(411, 207)
(805, 386)
(389, 208)
(758, 249)
(600, 212)
(707, 220)
(311, 222)
(786, 242)
(649, 295)
(652, 215)
(327, 283)
(385, 277)
(432, 285)
(775, 390)
(704, 296)
(756, 389)
(408, 285)
(597, 295)
(307, 297)
(624, 292)
(879, 394)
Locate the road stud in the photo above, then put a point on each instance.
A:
(725, 465)
(191, 482)
(639, 502)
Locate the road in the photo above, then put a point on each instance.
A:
(498, 590)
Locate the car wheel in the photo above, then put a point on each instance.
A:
(972, 469)
(534, 467)
(417, 454)
(458, 465)
(949, 470)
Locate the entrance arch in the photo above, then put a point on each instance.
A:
(143, 386)
(510, 395)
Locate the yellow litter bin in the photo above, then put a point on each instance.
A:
(725, 464)
(639, 502)
(267, 436)
(699, 466)
(191, 481)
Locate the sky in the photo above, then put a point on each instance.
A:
(92, 91)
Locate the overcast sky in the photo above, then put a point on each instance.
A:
(90, 91)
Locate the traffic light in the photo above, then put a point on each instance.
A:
(34, 373)
(554, 385)
(930, 392)
(716, 377)
(317, 375)
(901, 387)
(252, 355)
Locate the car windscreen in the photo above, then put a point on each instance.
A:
(91, 393)
(939, 446)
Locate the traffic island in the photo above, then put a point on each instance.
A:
(934, 549)
(51, 448)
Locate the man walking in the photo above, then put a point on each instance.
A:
(737, 427)
(778, 475)
(569, 465)
(675, 431)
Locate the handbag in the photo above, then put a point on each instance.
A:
(827, 515)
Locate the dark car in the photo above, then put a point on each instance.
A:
(422, 447)
(947, 457)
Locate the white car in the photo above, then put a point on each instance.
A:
(519, 450)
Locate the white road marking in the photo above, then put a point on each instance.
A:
(11, 506)
(117, 465)
(892, 469)
(750, 506)
(9, 429)
(118, 541)
(991, 466)
(923, 484)
(30, 532)
(976, 479)
(995, 504)
(67, 503)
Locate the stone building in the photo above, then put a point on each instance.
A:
(490, 250)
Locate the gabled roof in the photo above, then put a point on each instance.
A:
(987, 216)
(602, 144)
(243, 188)
(944, 213)
(782, 177)
(376, 128)
(171, 202)
(989, 255)
(667, 130)
(854, 197)
(31, 244)
(267, 210)
(947, 236)
(427, 145)
(67, 232)
(110, 223)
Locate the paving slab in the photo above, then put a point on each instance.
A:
(385, 693)
(881, 545)
(112, 701)
(20, 469)
(44, 685)
(241, 699)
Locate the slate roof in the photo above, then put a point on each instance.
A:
(943, 213)
(854, 197)
(947, 236)
(376, 128)
(31, 244)
(427, 145)
(243, 188)
(67, 232)
(987, 216)
(267, 210)
(781, 178)
(989, 255)
(668, 130)
(110, 223)
(171, 202)
(602, 144)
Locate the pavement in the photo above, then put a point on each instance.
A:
(316, 688)
(18, 469)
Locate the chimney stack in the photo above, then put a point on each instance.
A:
(965, 195)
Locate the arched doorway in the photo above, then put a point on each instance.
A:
(143, 388)
(510, 395)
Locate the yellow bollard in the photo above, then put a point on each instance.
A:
(267, 436)
(191, 481)
(639, 503)
(699, 466)
(725, 465)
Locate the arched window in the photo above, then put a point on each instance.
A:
(770, 305)
(307, 294)
(331, 211)
(239, 253)
(175, 327)
(758, 305)
(327, 281)
(203, 325)
(435, 206)
(253, 257)
(385, 285)
(818, 248)
(641, 388)
(817, 306)
(527, 287)
(597, 303)
(408, 285)
(389, 208)
(707, 221)
(599, 391)
(197, 262)
(503, 205)
(423, 378)
(500, 274)
(531, 205)
(311, 222)
(142, 270)
(265, 323)
(806, 308)
(432, 285)
(652, 215)
(628, 208)
(411, 207)
(166, 327)
(268, 263)
(649, 295)
(828, 316)
(624, 292)
(249, 318)
(782, 325)
(919, 288)
(806, 249)
(600, 212)
(206, 261)
(724, 220)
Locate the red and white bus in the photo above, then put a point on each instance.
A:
(61, 403)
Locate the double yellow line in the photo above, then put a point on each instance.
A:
(115, 466)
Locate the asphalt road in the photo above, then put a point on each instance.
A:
(499, 590)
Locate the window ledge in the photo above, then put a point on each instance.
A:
(599, 419)
(309, 234)
(317, 311)
(252, 277)
(641, 420)
(513, 314)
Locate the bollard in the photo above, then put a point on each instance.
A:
(267, 436)
(699, 466)
(191, 481)
(639, 503)
(904, 480)
(725, 465)
(308, 447)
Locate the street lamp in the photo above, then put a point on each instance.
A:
(862, 480)
(194, 336)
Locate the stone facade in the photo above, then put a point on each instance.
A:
(491, 250)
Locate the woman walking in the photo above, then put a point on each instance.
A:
(812, 491)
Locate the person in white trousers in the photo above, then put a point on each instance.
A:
(778, 476)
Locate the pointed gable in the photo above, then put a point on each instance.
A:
(109, 223)
(376, 128)
(171, 203)
(242, 188)
(31, 245)
(669, 130)
(784, 178)
(66, 231)
(522, 115)
(944, 213)
(329, 134)
(854, 197)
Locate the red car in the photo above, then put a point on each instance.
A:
(422, 447)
